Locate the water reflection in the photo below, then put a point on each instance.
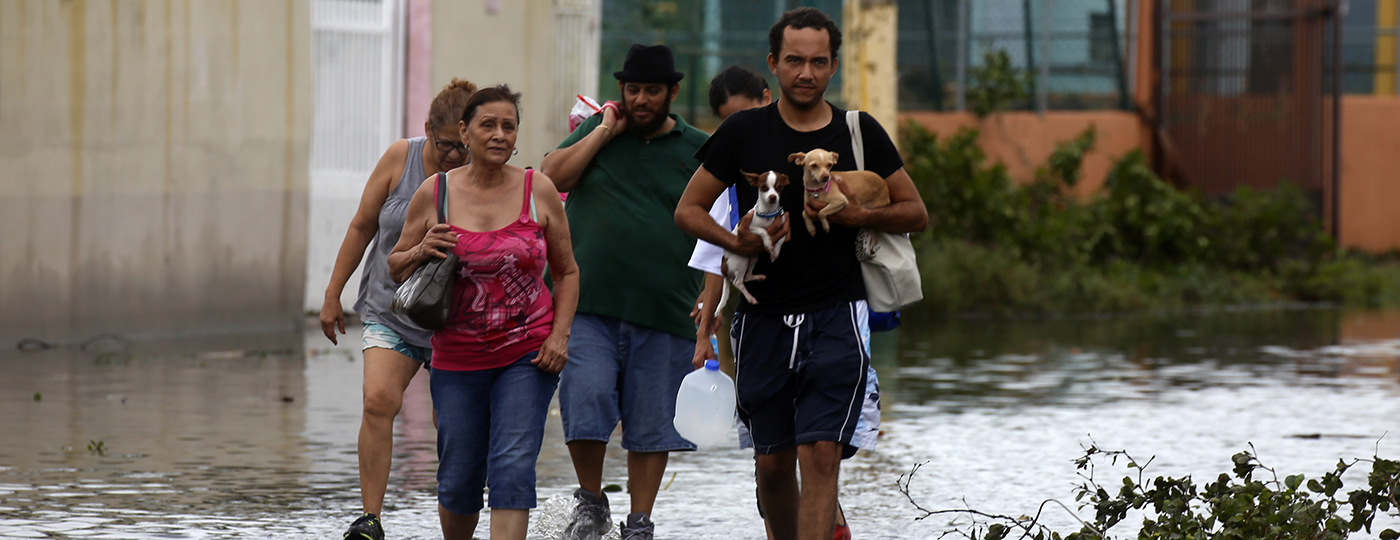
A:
(952, 364)
(242, 437)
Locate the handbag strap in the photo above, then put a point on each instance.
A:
(857, 145)
(441, 193)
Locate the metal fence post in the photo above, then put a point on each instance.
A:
(1118, 55)
(1338, 11)
(1131, 40)
(1028, 36)
(931, 23)
(961, 86)
(713, 27)
(1042, 97)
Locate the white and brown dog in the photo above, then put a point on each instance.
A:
(739, 268)
(816, 179)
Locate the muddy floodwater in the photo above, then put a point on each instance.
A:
(253, 436)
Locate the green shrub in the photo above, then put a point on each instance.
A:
(966, 198)
(995, 84)
(1257, 230)
(1139, 243)
(1146, 220)
(1065, 164)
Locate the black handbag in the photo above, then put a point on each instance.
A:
(426, 297)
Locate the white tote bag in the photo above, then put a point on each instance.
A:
(886, 259)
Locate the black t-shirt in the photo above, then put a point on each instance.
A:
(810, 274)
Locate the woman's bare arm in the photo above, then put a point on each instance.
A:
(423, 238)
(361, 232)
(563, 270)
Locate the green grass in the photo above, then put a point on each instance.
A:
(962, 277)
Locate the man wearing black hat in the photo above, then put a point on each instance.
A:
(632, 340)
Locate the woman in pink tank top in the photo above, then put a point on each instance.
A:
(497, 362)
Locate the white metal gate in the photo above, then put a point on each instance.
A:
(357, 53)
(578, 33)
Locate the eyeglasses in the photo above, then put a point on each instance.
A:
(447, 147)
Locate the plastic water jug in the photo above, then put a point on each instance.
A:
(705, 406)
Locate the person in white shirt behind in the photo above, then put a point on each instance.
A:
(733, 90)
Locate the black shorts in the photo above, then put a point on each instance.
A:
(800, 378)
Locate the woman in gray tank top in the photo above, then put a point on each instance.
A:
(394, 348)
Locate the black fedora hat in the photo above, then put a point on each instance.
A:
(653, 64)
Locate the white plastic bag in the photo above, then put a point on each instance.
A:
(585, 107)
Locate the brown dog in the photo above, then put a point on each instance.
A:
(816, 179)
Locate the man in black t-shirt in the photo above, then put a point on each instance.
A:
(801, 350)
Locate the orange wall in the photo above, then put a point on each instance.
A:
(1023, 141)
(1370, 155)
(1371, 172)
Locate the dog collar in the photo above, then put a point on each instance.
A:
(826, 189)
(775, 213)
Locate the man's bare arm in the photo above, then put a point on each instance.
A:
(565, 166)
(692, 212)
(693, 216)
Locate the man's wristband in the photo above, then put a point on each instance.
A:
(604, 127)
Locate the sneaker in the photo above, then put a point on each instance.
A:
(638, 527)
(591, 518)
(842, 533)
(365, 528)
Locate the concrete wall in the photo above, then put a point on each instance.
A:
(494, 42)
(1370, 194)
(1023, 141)
(153, 164)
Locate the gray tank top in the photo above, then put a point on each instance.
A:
(376, 287)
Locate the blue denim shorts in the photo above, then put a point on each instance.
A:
(619, 371)
(383, 337)
(490, 427)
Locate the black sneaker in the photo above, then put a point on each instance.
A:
(638, 527)
(365, 528)
(591, 518)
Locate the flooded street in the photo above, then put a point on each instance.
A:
(254, 436)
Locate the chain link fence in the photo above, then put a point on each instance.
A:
(1370, 47)
(1071, 54)
(706, 36)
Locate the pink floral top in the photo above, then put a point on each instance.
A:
(501, 309)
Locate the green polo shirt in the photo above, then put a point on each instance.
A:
(632, 258)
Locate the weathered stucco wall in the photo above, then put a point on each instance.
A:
(514, 43)
(153, 166)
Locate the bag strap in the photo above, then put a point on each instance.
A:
(857, 145)
(441, 193)
(527, 206)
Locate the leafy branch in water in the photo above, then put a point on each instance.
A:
(1250, 502)
(993, 526)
